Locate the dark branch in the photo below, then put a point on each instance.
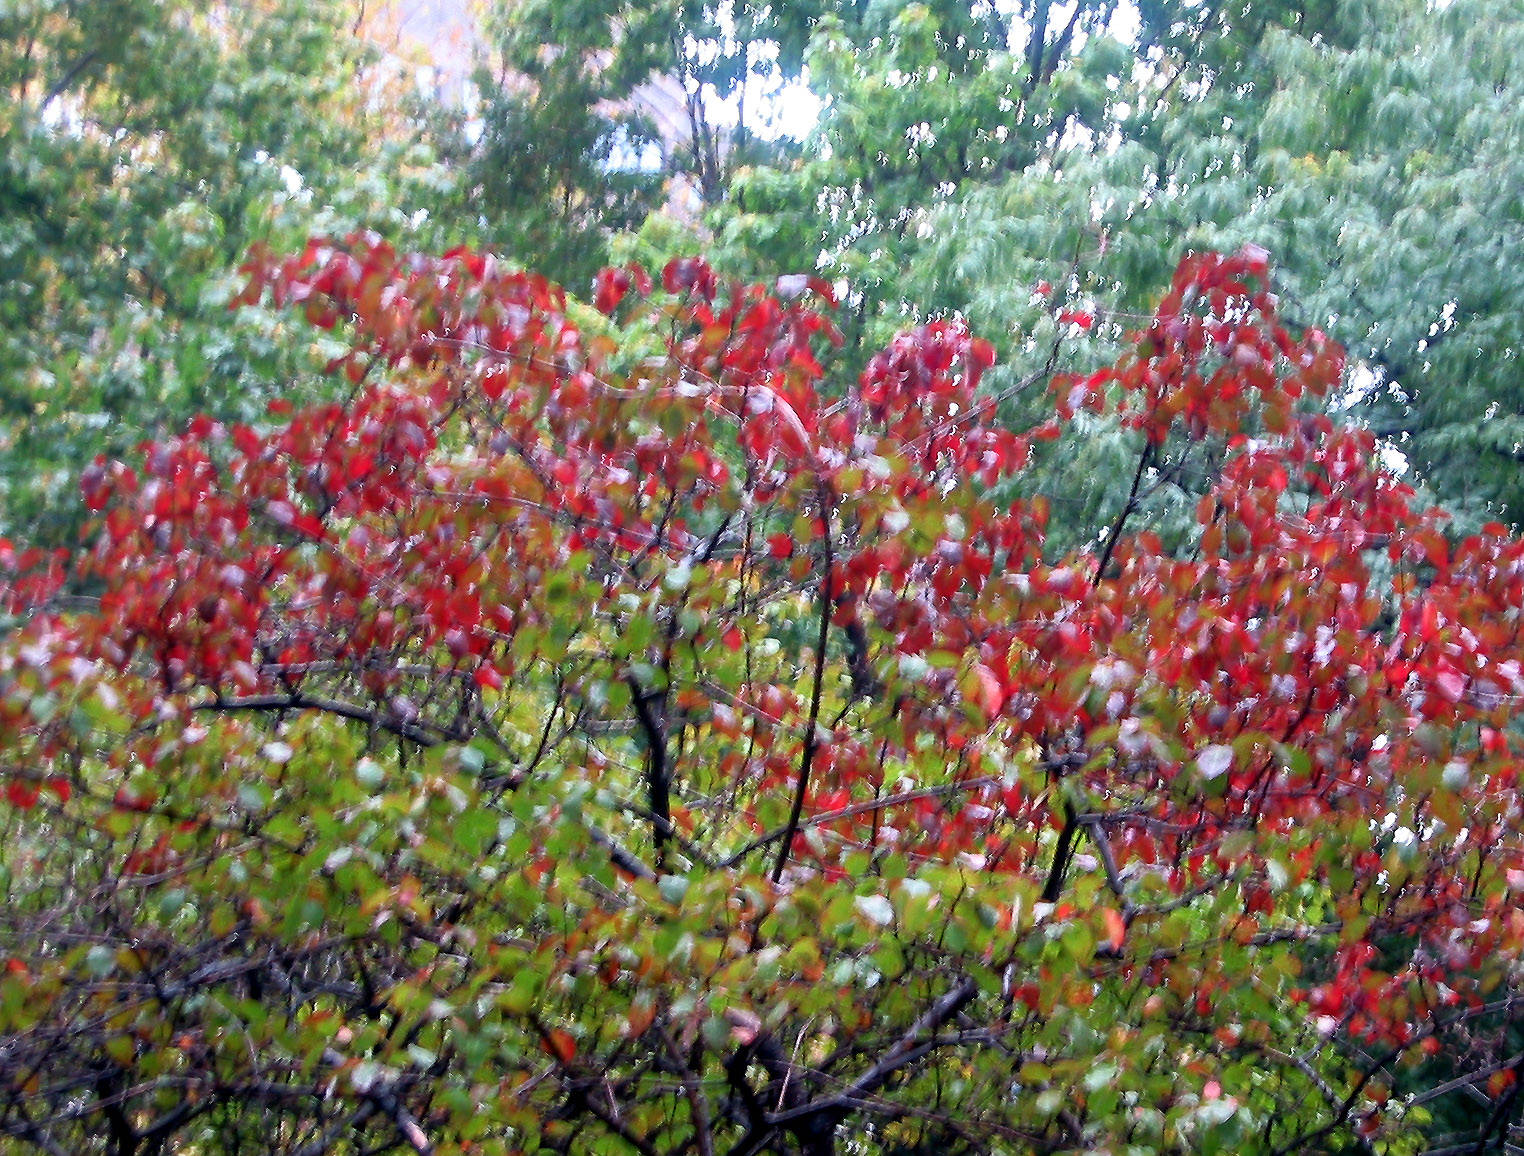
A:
(811, 738)
(658, 775)
(382, 720)
(911, 1046)
(1061, 856)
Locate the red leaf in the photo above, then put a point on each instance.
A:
(984, 688)
(559, 1043)
(21, 793)
(1428, 628)
(610, 286)
(125, 800)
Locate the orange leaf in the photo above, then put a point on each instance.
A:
(642, 1012)
(1116, 928)
(982, 687)
(559, 1043)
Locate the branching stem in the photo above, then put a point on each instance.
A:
(811, 736)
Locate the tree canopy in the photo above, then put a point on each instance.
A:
(588, 736)
(964, 158)
(1368, 146)
(1014, 650)
(144, 146)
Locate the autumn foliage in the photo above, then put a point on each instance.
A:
(596, 732)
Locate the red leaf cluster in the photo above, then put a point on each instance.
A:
(1317, 667)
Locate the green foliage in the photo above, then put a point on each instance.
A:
(1387, 200)
(565, 157)
(592, 735)
(144, 147)
(398, 893)
(598, 114)
(1367, 146)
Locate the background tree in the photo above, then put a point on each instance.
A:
(600, 115)
(1366, 147)
(587, 735)
(1369, 149)
(965, 158)
(143, 148)
(567, 155)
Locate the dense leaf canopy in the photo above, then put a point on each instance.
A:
(144, 146)
(675, 714)
(1370, 146)
(588, 735)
